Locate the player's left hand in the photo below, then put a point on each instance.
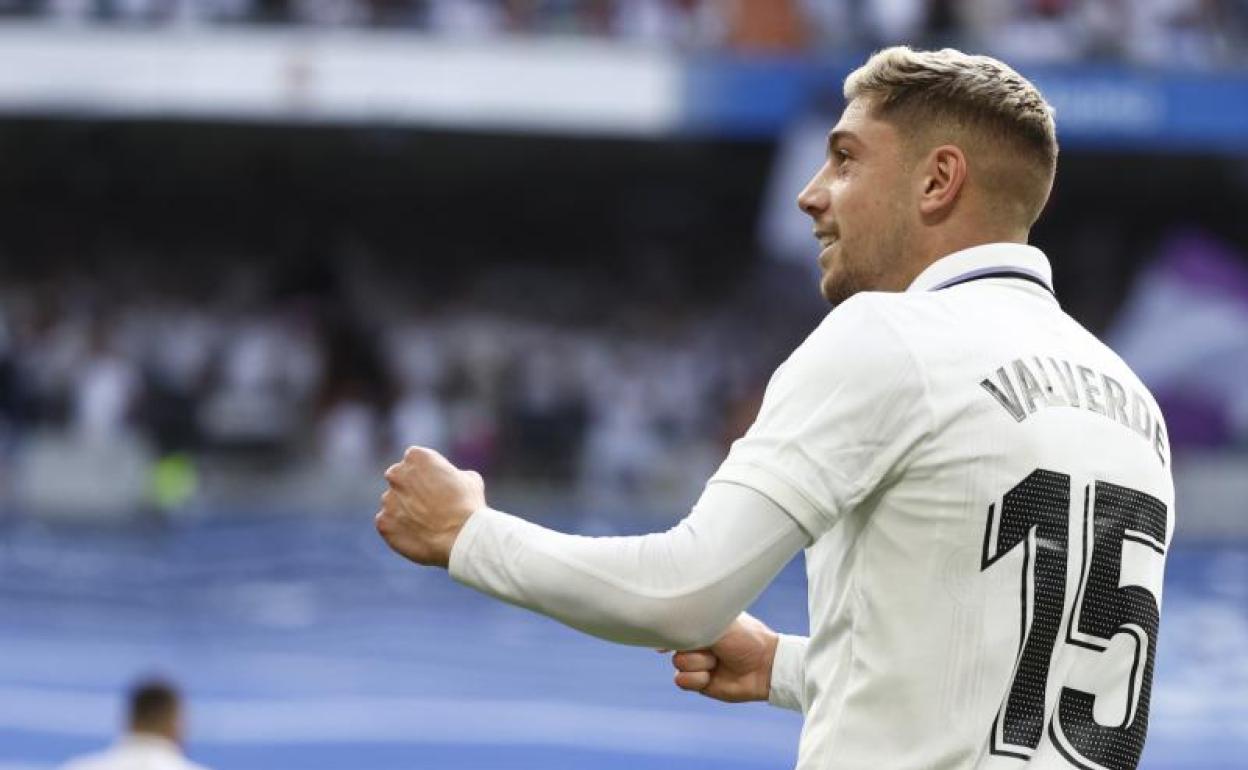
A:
(426, 505)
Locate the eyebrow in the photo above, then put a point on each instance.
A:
(838, 136)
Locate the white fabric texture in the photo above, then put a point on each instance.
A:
(788, 674)
(136, 752)
(678, 589)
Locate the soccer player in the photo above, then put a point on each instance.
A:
(982, 488)
(154, 738)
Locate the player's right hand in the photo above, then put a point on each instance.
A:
(735, 669)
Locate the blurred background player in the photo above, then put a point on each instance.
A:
(154, 734)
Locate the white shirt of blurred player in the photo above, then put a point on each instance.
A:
(879, 438)
(136, 752)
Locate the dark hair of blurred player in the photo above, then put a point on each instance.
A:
(156, 709)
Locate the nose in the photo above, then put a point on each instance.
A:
(813, 200)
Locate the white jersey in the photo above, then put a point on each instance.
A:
(988, 489)
(136, 752)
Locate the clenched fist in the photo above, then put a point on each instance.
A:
(736, 668)
(426, 504)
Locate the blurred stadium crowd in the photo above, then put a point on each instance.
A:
(153, 387)
(1188, 33)
(161, 398)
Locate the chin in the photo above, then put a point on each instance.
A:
(825, 288)
(835, 291)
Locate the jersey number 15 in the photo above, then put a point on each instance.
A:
(1035, 516)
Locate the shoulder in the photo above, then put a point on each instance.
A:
(178, 761)
(862, 337)
(174, 759)
(870, 318)
(855, 363)
(96, 761)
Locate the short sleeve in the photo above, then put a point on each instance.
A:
(842, 414)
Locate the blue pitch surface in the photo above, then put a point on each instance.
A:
(303, 643)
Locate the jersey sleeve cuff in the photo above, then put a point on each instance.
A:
(788, 677)
(779, 490)
(460, 566)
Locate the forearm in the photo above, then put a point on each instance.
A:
(678, 589)
(788, 674)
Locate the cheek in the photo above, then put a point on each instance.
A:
(868, 208)
(852, 199)
(850, 220)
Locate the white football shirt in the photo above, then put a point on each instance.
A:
(989, 495)
(136, 751)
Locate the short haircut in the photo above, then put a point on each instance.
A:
(949, 95)
(152, 703)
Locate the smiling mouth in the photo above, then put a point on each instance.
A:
(825, 238)
(826, 242)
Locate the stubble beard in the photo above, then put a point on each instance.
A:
(867, 272)
(842, 283)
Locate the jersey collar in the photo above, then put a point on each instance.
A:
(981, 261)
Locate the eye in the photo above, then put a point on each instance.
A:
(840, 157)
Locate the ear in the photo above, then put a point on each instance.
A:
(943, 176)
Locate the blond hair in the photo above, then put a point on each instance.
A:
(996, 115)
